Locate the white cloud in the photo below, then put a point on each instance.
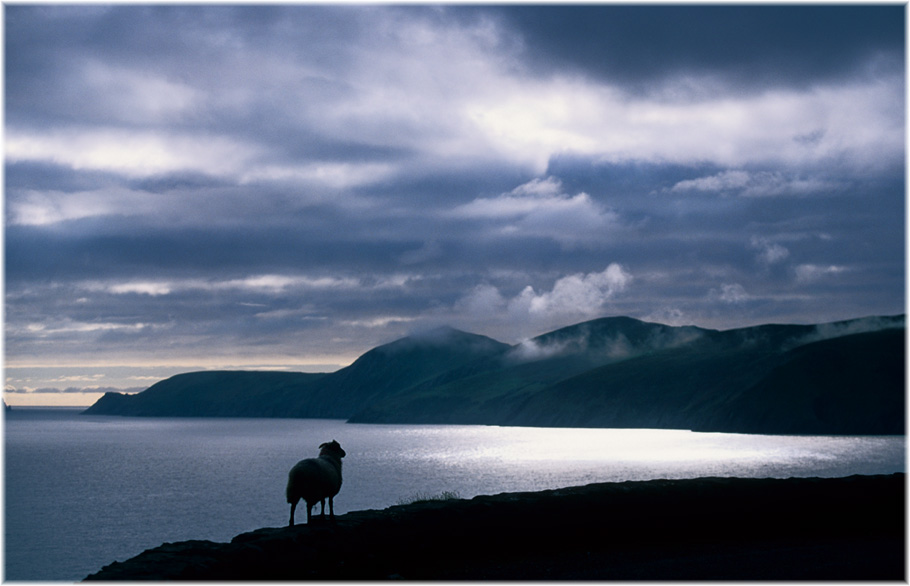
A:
(131, 152)
(69, 326)
(140, 153)
(378, 322)
(859, 326)
(547, 187)
(810, 273)
(279, 283)
(536, 196)
(483, 300)
(41, 208)
(756, 184)
(770, 252)
(53, 390)
(529, 350)
(300, 313)
(78, 378)
(530, 120)
(540, 208)
(578, 295)
(331, 174)
(721, 182)
(269, 283)
(730, 293)
(859, 125)
(150, 288)
(671, 316)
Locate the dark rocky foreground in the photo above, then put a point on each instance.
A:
(711, 528)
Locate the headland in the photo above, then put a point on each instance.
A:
(698, 529)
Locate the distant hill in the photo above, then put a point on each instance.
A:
(838, 378)
(218, 393)
(853, 384)
(383, 370)
(393, 368)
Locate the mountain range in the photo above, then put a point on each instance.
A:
(836, 378)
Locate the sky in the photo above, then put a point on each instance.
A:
(286, 187)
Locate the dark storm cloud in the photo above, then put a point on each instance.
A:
(35, 253)
(51, 177)
(752, 46)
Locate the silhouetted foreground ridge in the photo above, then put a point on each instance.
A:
(711, 528)
(837, 378)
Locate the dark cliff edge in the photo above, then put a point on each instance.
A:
(710, 528)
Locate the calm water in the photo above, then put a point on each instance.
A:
(81, 492)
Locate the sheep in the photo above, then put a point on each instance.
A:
(316, 479)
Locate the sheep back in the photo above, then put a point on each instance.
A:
(314, 479)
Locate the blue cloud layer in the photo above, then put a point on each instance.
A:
(241, 185)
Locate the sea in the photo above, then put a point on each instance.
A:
(83, 491)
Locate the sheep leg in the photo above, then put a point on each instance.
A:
(331, 507)
(293, 508)
(322, 502)
(309, 512)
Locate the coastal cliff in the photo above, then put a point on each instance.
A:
(709, 528)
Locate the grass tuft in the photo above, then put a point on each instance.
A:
(446, 495)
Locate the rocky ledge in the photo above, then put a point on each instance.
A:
(711, 528)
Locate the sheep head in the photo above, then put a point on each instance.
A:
(331, 448)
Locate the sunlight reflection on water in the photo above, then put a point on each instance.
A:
(486, 459)
(517, 444)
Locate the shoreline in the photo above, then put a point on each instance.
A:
(699, 529)
(81, 408)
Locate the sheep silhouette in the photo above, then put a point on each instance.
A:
(316, 479)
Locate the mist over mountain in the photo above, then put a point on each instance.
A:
(837, 378)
